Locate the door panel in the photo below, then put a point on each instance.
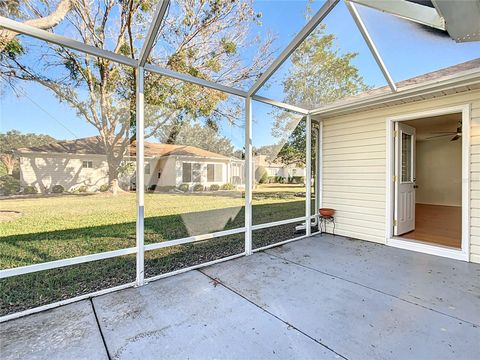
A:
(404, 179)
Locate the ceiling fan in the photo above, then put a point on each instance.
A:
(456, 134)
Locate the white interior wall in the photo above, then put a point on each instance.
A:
(439, 172)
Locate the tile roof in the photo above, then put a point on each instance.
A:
(93, 145)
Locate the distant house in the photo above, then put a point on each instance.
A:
(83, 162)
(276, 169)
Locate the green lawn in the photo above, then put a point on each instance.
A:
(59, 227)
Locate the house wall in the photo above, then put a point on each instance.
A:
(439, 172)
(45, 171)
(167, 169)
(354, 168)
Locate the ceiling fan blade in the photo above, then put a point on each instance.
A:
(439, 136)
(456, 137)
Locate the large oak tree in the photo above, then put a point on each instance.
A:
(201, 38)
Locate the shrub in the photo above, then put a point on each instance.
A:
(198, 187)
(184, 187)
(104, 187)
(162, 188)
(261, 175)
(152, 187)
(228, 186)
(9, 185)
(27, 190)
(57, 189)
(214, 187)
(297, 180)
(16, 172)
(264, 178)
(80, 189)
(3, 169)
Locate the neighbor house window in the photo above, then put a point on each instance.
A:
(192, 172)
(196, 172)
(187, 172)
(147, 169)
(214, 172)
(87, 164)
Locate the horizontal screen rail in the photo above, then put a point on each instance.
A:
(277, 223)
(65, 262)
(192, 239)
(194, 267)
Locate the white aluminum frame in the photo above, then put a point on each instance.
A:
(47, 36)
(153, 31)
(140, 181)
(248, 176)
(371, 45)
(294, 44)
(141, 65)
(308, 177)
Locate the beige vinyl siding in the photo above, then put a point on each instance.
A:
(354, 175)
(354, 167)
(475, 180)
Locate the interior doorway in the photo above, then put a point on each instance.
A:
(430, 193)
(431, 179)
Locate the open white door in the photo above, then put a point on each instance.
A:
(404, 213)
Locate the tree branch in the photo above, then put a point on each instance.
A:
(44, 23)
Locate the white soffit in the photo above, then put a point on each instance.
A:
(409, 10)
(462, 18)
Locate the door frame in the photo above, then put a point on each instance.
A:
(400, 184)
(391, 240)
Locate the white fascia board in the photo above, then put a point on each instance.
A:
(466, 78)
(405, 9)
(32, 31)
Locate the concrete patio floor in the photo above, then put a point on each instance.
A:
(323, 297)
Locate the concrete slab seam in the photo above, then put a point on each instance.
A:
(100, 329)
(217, 281)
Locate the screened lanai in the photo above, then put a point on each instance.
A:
(143, 139)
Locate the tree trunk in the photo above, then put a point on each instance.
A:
(113, 164)
(9, 161)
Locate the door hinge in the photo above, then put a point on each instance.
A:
(395, 133)
(395, 178)
(394, 222)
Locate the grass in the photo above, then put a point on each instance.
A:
(59, 227)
